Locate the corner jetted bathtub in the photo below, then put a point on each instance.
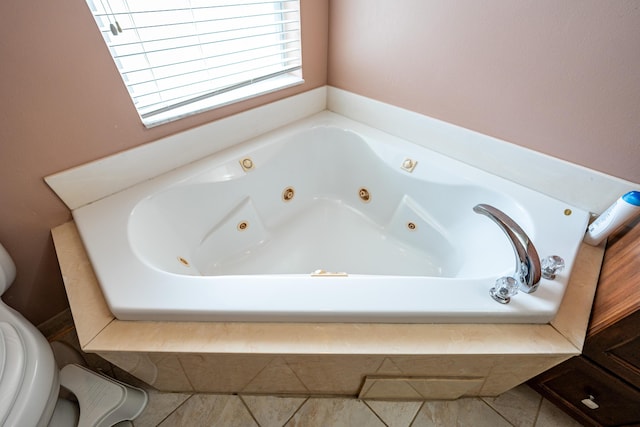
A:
(325, 220)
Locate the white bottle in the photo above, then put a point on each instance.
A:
(616, 215)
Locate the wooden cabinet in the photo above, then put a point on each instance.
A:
(602, 386)
(590, 394)
(618, 349)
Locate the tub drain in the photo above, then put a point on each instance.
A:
(183, 261)
(412, 226)
(243, 225)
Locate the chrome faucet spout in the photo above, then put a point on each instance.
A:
(527, 260)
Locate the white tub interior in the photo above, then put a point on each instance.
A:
(215, 241)
(243, 223)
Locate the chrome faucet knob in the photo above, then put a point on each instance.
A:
(504, 289)
(551, 265)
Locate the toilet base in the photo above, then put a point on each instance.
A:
(103, 401)
(65, 414)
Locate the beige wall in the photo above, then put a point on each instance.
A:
(64, 104)
(558, 76)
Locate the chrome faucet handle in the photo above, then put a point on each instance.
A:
(551, 265)
(504, 289)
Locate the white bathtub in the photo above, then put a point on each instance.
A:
(218, 241)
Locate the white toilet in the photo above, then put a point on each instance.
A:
(30, 381)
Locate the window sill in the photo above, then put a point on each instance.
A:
(241, 94)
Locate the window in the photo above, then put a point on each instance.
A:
(187, 56)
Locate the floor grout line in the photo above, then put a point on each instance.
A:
(417, 412)
(535, 419)
(296, 411)
(495, 410)
(249, 410)
(170, 413)
(375, 413)
(246, 405)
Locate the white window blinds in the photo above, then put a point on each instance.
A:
(178, 57)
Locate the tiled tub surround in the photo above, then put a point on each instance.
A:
(402, 361)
